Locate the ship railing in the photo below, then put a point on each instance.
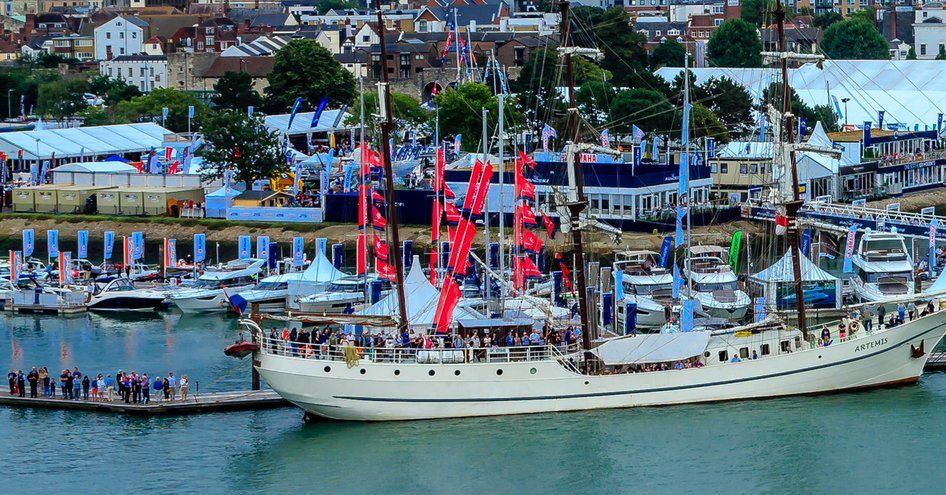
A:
(397, 355)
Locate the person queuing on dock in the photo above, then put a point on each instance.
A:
(21, 383)
(11, 377)
(33, 378)
(65, 382)
(44, 377)
(76, 382)
(185, 385)
(172, 386)
(167, 388)
(86, 387)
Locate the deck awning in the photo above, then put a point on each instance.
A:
(652, 348)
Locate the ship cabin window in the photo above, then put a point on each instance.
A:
(797, 342)
(744, 352)
(724, 168)
(765, 350)
(723, 356)
(785, 347)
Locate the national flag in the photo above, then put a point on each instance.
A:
(605, 139)
(551, 228)
(547, 132)
(637, 133)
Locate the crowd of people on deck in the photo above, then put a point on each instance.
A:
(864, 318)
(131, 388)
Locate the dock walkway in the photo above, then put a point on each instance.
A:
(195, 404)
(936, 362)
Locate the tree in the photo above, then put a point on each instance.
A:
(735, 43)
(854, 39)
(305, 69)
(703, 122)
(460, 112)
(594, 101)
(729, 102)
(942, 53)
(911, 55)
(235, 90)
(824, 21)
(112, 91)
(327, 5)
(233, 139)
(668, 53)
(754, 11)
(623, 47)
(61, 99)
(152, 104)
(647, 109)
(405, 109)
(820, 113)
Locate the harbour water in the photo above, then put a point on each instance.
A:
(880, 441)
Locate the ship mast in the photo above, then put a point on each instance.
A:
(576, 198)
(387, 125)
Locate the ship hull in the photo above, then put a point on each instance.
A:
(371, 391)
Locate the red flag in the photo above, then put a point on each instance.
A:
(526, 216)
(518, 280)
(471, 188)
(377, 219)
(550, 227)
(380, 248)
(528, 268)
(526, 160)
(447, 192)
(524, 188)
(376, 196)
(530, 241)
(433, 267)
(384, 269)
(481, 190)
(435, 219)
(438, 171)
(373, 158)
(168, 152)
(453, 214)
(173, 168)
(362, 206)
(360, 255)
(465, 233)
(566, 274)
(449, 297)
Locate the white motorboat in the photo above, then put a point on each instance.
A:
(647, 285)
(122, 295)
(271, 293)
(33, 269)
(207, 294)
(714, 283)
(884, 267)
(7, 289)
(341, 295)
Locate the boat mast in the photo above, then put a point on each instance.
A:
(486, 216)
(577, 204)
(362, 212)
(686, 159)
(502, 186)
(791, 207)
(387, 125)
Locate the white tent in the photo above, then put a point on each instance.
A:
(315, 278)
(421, 297)
(104, 167)
(777, 284)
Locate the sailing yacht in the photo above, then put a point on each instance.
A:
(714, 284)
(761, 360)
(646, 284)
(884, 267)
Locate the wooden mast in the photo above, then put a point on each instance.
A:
(387, 126)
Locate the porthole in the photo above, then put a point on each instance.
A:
(457, 372)
(431, 372)
(532, 371)
(397, 372)
(363, 371)
(499, 372)
(328, 368)
(586, 382)
(706, 354)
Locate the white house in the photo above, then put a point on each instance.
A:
(929, 30)
(147, 72)
(119, 37)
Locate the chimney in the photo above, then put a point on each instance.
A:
(30, 24)
(893, 22)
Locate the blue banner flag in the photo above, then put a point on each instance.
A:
(655, 150)
(939, 122)
(138, 245)
(262, 247)
(170, 254)
(200, 247)
(677, 282)
(618, 285)
(190, 112)
(638, 152)
(711, 148)
(866, 130)
(665, 252)
(52, 243)
(245, 246)
(318, 112)
(292, 114)
(880, 119)
(109, 244)
(65, 268)
(164, 113)
(806, 243)
(249, 111)
(837, 106)
(849, 249)
(298, 250)
(321, 246)
(83, 251)
(687, 314)
(29, 242)
(679, 235)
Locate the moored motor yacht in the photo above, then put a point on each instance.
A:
(714, 284)
(646, 284)
(271, 293)
(207, 294)
(122, 295)
(884, 267)
(342, 295)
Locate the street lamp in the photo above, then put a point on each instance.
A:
(845, 100)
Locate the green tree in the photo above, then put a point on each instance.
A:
(623, 47)
(112, 91)
(460, 112)
(735, 43)
(854, 39)
(703, 122)
(647, 109)
(594, 101)
(62, 99)
(152, 104)
(235, 90)
(819, 113)
(911, 55)
(824, 21)
(668, 53)
(327, 5)
(305, 69)
(754, 11)
(233, 139)
(405, 109)
(942, 53)
(729, 102)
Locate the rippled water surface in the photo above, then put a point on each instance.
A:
(886, 441)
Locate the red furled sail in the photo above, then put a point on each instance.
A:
(449, 297)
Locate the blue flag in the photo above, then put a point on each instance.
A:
(262, 247)
(292, 114)
(298, 250)
(83, 251)
(933, 226)
(190, 112)
(109, 244)
(138, 243)
(711, 147)
(665, 252)
(677, 282)
(318, 112)
(680, 239)
(321, 246)
(52, 243)
(29, 242)
(687, 314)
(638, 152)
(866, 136)
(245, 245)
(200, 247)
(618, 285)
(806, 242)
(164, 113)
